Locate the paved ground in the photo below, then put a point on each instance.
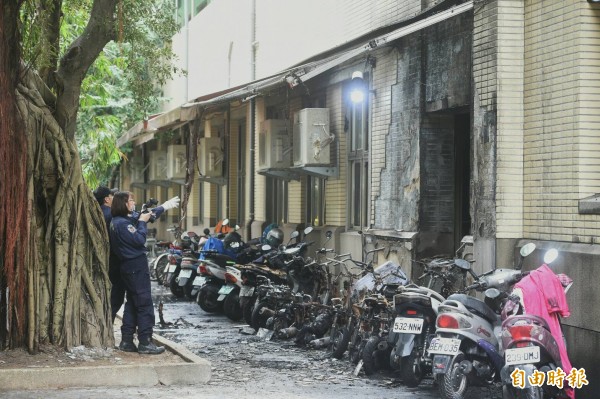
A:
(244, 366)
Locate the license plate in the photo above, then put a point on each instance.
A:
(530, 354)
(408, 325)
(172, 268)
(226, 289)
(246, 291)
(444, 346)
(199, 280)
(185, 274)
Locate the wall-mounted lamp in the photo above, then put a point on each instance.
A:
(357, 87)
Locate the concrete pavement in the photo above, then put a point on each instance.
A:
(194, 370)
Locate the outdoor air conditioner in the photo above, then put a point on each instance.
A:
(274, 149)
(158, 165)
(210, 157)
(176, 161)
(311, 137)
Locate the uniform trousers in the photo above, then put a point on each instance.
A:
(139, 309)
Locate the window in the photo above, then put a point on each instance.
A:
(199, 6)
(315, 194)
(358, 164)
(186, 9)
(277, 201)
(180, 12)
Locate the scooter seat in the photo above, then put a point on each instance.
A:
(476, 306)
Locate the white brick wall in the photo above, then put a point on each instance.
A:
(335, 189)
(562, 66)
(259, 180)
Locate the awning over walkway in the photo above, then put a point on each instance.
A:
(292, 77)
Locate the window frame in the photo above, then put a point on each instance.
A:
(358, 161)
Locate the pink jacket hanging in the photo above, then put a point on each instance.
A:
(544, 296)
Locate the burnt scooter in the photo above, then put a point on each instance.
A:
(466, 349)
(529, 344)
(252, 276)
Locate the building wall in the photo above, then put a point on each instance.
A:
(335, 188)
(483, 164)
(561, 141)
(217, 57)
(385, 76)
(510, 118)
(396, 206)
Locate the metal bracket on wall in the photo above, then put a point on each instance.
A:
(143, 186)
(280, 173)
(220, 181)
(161, 183)
(318, 171)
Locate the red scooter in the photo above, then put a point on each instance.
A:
(530, 346)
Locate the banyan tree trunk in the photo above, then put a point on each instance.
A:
(65, 266)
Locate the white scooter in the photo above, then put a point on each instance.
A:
(466, 350)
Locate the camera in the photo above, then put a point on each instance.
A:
(146, 208)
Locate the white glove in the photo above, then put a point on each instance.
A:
(172, 203)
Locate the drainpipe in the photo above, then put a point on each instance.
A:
(252, 115)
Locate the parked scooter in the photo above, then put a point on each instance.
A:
(253, 276)
(466, 349)
(414, 325)
(528, 340)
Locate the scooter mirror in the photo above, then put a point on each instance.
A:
(550, 256)
(294, 234)
(308, 230)
(527, 249)
(329, 234)
(492, 293)
(463, 264)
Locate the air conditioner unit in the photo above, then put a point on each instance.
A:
(210, 157)
(158, 165)
(176, 161)
(274, 149)
(312, 137)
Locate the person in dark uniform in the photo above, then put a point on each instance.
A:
(127, 240)
(104, 196)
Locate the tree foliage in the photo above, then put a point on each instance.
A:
(54, 284)
(121, 86)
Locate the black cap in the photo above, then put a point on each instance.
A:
(102, 192)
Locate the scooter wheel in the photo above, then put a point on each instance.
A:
(454, 383)
(247, 308)
(339, 342)
(208, 297)
(411, 370)
(231, 306)
(175, 288)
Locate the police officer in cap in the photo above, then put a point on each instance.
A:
(127, 240)
(104, 196)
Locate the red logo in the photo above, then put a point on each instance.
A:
(482, 330)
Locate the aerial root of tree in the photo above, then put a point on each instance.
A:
(67, 264)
